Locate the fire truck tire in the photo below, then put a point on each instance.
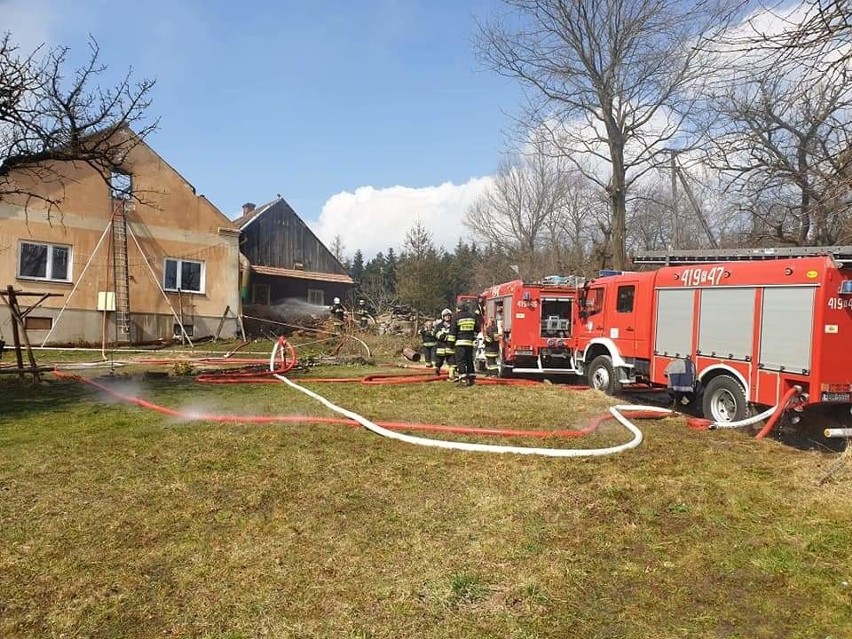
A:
(724, 400)
(603, 376)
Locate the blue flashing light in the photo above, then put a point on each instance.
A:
(608, 271)
(846, 287)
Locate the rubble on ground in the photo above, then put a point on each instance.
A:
(401, 320)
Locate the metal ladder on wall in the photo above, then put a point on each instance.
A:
(121, 275)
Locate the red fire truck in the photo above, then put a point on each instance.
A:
(534, 321)
(736, 327)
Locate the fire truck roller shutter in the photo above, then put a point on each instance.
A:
(726, 323)
(786, 334)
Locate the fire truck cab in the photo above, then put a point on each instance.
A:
(534, 322)
(733, 328)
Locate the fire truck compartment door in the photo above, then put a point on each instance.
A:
(726, 328)
(674, 322)
(787, 328)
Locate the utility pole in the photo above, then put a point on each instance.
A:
(675, 222)
(677, 172)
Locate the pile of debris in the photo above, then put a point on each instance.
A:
(401, 320)
(283, 319)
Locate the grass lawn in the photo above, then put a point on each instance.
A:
(118, 521)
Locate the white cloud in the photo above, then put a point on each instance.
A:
(374, 219)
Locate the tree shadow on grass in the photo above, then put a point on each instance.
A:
(20, 399)
(23, 399)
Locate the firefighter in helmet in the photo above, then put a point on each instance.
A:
(444, 339)
(466, 324)
(363, 315)
(428, 342)
(338, 314)
(491, 337)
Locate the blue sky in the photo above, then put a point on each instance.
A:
(367, 116)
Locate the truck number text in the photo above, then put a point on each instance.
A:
(839, 303)
(699, 276)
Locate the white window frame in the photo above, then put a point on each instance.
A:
(179, 262)
(49, 267)
(316, 293)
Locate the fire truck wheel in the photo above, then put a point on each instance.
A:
(602, 375)
(724, 400)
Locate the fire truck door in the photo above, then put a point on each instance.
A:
(623, 319)
(591, 313)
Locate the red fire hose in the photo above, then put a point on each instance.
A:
(398, 426)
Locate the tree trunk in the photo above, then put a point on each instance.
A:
(618, 203)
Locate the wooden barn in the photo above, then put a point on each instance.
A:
(284, 262)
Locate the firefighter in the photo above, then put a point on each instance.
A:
(427, 339)
(491, 337)
(362, 314)
(480, 307)
(338, 314)
(466, 325)
(444, 351)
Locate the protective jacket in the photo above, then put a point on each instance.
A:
(465, 327)
(444, 337)
(338, 312)
(427, 337)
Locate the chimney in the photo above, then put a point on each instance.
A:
(248, 207)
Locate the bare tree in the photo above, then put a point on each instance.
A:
(613, 80)
(574, 226)
(812, 33)
(337, 248)
(785, 140)
(49, 116)
(516, 213)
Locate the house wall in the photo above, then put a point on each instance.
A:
(169, 221)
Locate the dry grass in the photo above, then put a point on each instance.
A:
(119, 522)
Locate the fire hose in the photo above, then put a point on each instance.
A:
(618, 412)
(773, 413)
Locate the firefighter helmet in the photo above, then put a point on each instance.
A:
(337, 300)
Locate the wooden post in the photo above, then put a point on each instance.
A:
(18, 320)
(237, 317)
(11, 303)
(221, 323)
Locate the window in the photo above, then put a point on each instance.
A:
(593, 302)
(624, 301)
(120, 185)
(316, 297)
(186, 276)
(44, 262)
(260, 294)
(38, 323)
(189, 328)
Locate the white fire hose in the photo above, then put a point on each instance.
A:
(481, 448)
